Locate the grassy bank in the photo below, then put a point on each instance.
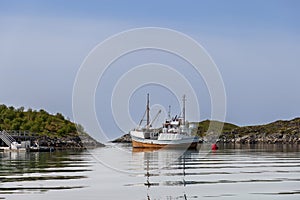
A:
(49, 129)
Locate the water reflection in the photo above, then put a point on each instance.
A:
(23, 172)
(262, 147)
(159, 163)
(242, 172)
(237, 169)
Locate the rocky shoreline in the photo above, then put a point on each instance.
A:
(123, 139)
(71, 142)
(281, 131)
(257, 138)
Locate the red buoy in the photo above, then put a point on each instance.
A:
(214, 147)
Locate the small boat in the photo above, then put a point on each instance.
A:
(173, 134)
(37, 148)
(41, 149)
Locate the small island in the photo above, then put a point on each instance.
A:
(43, 129)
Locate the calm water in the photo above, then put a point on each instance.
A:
(116, 172)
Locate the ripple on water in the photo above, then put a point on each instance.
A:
(241, 172)
(231, 173)
(40, 172)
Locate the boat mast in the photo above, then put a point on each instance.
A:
(148, 111)
(183, 108)
(169, 113)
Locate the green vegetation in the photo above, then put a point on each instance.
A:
(202, 127)
(290, 127)
(280, 127)
(39, 122)
(281, 131)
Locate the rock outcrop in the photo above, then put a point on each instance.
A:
(124, 139)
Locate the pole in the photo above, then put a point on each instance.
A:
(183, 109)
(148, 111)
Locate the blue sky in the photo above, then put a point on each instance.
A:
(255, 45)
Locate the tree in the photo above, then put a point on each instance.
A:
(21, 109)
(35, 128)
(16, 124)
(40, 122)
(60, 116)
(3, 108)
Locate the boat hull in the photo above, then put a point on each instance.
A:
(137, 144)
(152, 139)
(41, 149)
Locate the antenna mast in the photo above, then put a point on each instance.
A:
(148, 111)
(183, 109)
(169, 112)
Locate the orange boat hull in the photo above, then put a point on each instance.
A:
(136, 144)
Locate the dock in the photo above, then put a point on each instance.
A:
(20, 141)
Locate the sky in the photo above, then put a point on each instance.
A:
(254, 44)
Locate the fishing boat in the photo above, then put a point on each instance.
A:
(174, 132)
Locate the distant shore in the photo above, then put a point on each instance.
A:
(278, 132)
(247, 139)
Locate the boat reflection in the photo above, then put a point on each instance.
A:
(156, 162)
(144, 150)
